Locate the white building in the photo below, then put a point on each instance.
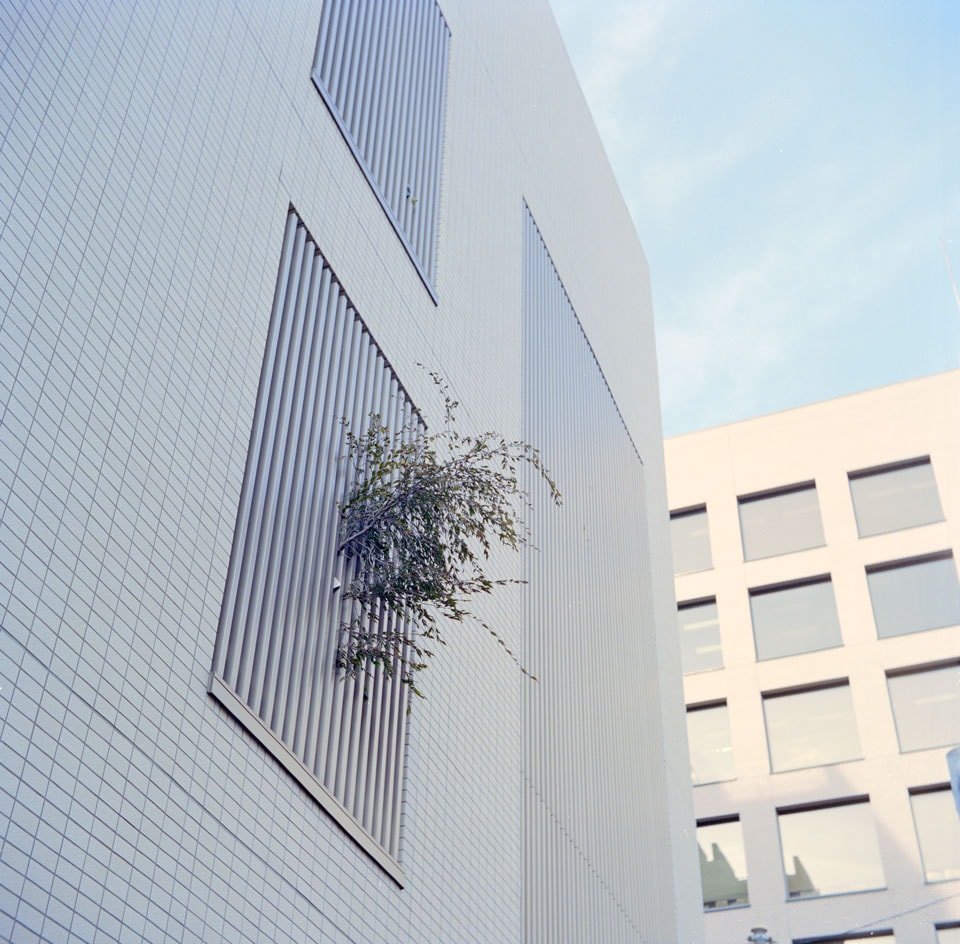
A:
(224, 227)
(815, 552)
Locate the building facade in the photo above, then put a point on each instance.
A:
(229, 233)
(815, 553)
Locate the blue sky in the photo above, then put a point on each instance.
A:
(791, 166)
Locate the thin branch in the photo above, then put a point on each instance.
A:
(420, 522)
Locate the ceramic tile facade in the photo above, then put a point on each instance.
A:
(150, 155)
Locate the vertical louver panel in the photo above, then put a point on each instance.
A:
(591, 813)
(381, 67)
(275, 660)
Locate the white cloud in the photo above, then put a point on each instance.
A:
(618, 48)
(752, 320)
(789, 202)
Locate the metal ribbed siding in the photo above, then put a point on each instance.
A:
(381, 67)
(274, 664)
(595, 834)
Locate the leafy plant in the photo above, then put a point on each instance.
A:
(419, 525)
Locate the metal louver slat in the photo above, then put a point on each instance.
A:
(583, 831)
(381, 68)
(274, 665)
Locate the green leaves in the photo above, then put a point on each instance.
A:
(419, 525)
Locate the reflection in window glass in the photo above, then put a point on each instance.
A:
(926, 708)
(914, 596)
(711, 752)
(780, 523)
(830, 850)
(895, 498)
(938, 832)
(793, 619)
(699, 636)
(691, 541)
(807, 729)
(723, 865)
(948, 935)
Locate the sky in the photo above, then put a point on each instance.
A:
(791, 167)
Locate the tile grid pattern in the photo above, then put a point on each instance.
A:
(138, 141)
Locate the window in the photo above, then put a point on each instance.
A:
(894, 497)
(911, 596)
(926, 706)
(699, 636)
(274, 665)
(690, 535)
(812, 727)
(723, 863)
(948, 934)
(780, 522)
(938, 831)
(830, 849)
(711, 752)
(794, 617)
(381, 69)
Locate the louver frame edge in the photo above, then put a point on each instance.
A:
(375, 187)
(223, 694)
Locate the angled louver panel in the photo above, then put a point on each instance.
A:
(275, 661)
(381, 68)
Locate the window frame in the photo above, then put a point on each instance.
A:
(904, 671)
(927, 790)
(902, 564)
(690, 511)
(710, 706)
(722, 821)
(885, 469)
(690, 605)
(815, 806)
(799, 691)
(753, 498)
(787, 585)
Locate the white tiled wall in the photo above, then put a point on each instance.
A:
(150, 152)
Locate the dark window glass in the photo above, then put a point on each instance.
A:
(938, 832)
(780, 522)
(723, 865)
(807, 729)
(894, 498)
(793, 619)
(691, 541)
(926, 708)
(914, 596)
(829, 850)
(711, 751)
(699, 636)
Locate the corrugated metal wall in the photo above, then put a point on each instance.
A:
(590, 872)
(381, 67)
(275, 661)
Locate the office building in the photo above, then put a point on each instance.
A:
(224, 229)
(815, 553)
